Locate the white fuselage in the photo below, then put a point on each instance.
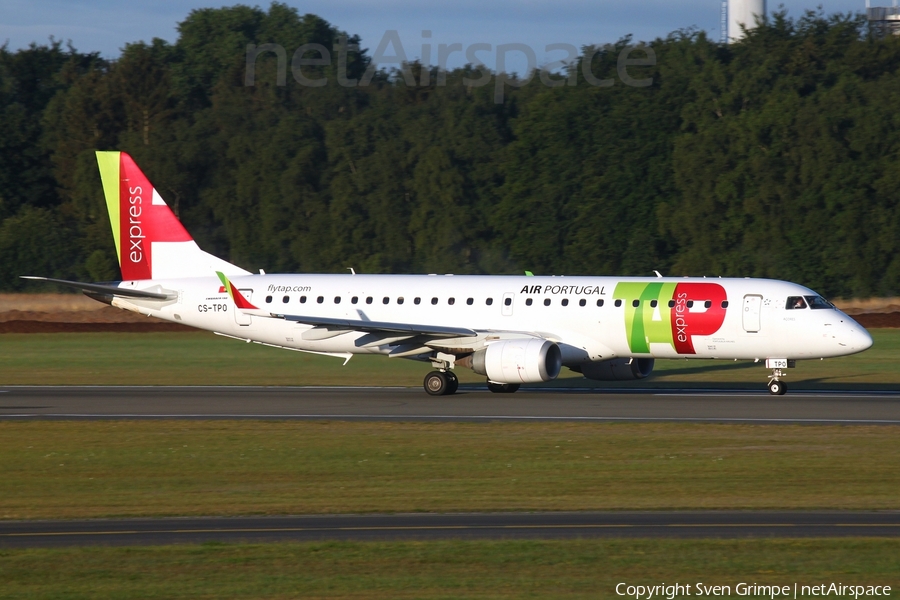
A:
(590, 318)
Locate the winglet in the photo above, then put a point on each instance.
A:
(236, 296)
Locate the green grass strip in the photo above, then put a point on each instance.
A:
(202, 358)
(567, 569)
(68, 469)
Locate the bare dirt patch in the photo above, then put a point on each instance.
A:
(72, 313)
(879, 320)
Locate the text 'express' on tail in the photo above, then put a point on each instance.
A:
(151, 243)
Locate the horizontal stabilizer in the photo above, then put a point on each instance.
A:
(380, 326)
(111, 290)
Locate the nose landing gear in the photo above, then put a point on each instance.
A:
(776, 386)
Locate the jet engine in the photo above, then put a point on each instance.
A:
(617, 369)
(526, 360)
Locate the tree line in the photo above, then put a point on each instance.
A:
(773, 157)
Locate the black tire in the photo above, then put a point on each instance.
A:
(502, 388)
(452, 382)
(436, 383)
(777, 388)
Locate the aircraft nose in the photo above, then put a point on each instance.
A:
(858, 338)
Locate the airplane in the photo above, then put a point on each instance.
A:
(512, 330)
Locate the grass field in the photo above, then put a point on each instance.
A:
(157, 468)
(448, 569)
(205, 359)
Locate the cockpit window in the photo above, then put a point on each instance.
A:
(795, 302)
(818, 302)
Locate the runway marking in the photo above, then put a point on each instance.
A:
(441, 528)
(445, 417)
(214, 387)
(767, 395)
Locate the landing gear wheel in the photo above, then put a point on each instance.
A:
(452, 382)
(777, 388)
(436, 383)
(502, 388)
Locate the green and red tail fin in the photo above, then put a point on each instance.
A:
(236, 296)
(151, 243)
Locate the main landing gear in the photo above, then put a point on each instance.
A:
(441, 383)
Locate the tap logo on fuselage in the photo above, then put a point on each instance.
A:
(670, 313)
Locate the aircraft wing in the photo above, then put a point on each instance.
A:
(379, 326)
(106, 289)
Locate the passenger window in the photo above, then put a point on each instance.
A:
(708, 303)
(354, 300)
(434, 301)
(337, 299)
(724, 303)
(635, 303)
(671, 304)
(795, 303)
(400, 300)
(451, 301)
(528, 302)
(690, 304)
(268, 299)
(653, 303)
(470, 301)
(369, 300)
(600, 302)
(565, 301)
(582, 302)
(507, 301)
(818, 302)
(417, 300)
(285, 299)
(385, 300)
(302, 299)
(546, 301)
(320, 299)
(618, 303)
(489, 301)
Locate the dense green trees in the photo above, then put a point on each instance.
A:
(773, 157)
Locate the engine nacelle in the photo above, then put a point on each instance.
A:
(526, 360)
(618, 369)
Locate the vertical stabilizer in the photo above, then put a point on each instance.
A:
(151, 243)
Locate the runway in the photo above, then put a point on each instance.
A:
(702, 524)
(470, 404)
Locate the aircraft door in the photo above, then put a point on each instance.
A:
(506, 307)
(752, 304)
(239, 317)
